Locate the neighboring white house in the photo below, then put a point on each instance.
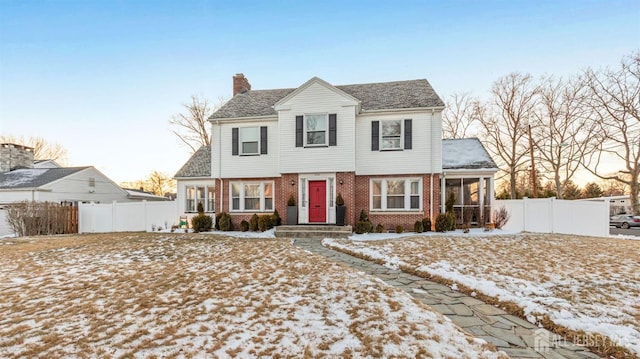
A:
(22, 178)
(617, 204)
(378, 145)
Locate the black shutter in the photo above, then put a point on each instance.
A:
(407, 134)
(332, 130)
(234, 141)
(375, 135)
(263, 140)
(299, 131)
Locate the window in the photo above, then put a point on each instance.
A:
(316, 130)
(200, 194)
(391, 135)
(92, 182)
(251, 196)
(397, 194)
(250, 140)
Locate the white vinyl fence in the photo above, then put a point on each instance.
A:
(4, 226)
(550, 215)
(126, 216)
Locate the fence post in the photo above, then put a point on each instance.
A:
(552, 213)
(144, 211)
(114, 213)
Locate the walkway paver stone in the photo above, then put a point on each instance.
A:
(516, 337)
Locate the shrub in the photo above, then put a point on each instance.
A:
(291, 201)
(451, 220)
(200, 208)
(426, 224)
(399, 229)
(500, 217)
(264, 223)
(451, 200)
(244, 226)
(275, 218)
(339, 200)
(442, 222)
(379, 228)
(364, 216)
(201, 223)
(253, 223)
(417, 227)
(224, 222)
(364, 225)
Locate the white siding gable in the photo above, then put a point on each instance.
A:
(317, 98)
(85, 186)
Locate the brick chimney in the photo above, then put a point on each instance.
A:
(14, 156)
(240, 84)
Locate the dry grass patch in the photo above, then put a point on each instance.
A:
(166, 295)
(574, 285)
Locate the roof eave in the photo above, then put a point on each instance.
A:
(243, 119)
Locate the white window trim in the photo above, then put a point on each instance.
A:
(240, 142)
(195, 198)
(381, 138)
(407, 194)
(326, 130)
(242, 196)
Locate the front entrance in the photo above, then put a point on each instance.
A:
(317, 201)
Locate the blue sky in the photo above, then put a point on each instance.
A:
(103, 78)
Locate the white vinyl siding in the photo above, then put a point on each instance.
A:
(251, 196)
(225, 165)
(396, 194)
(424, 156)
(317, 99)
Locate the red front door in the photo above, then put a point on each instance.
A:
(317, 201)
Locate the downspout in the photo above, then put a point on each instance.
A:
(220, 167)
(431, 165)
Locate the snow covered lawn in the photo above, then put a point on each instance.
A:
(189, 295)
(581, 283)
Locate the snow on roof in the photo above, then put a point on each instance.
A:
(34, 177)
(465, 153)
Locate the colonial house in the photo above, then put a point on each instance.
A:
(378, 145)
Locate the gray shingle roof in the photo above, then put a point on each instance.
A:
(34, 177)
(373, 96)
(199, 165)
(465, 153)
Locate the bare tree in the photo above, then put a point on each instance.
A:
(505, 120)
(615, 99)
(460, 116)
(561, 130)
(42, 150)
(157, 182)
(192, 127)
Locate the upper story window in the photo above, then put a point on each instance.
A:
(316, 127)
(249, 140)
(316, 130)
(391, 135)
(391, 138)
(92, 182)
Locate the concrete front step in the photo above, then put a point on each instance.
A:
(313, 231)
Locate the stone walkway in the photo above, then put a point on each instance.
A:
(512, 335)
